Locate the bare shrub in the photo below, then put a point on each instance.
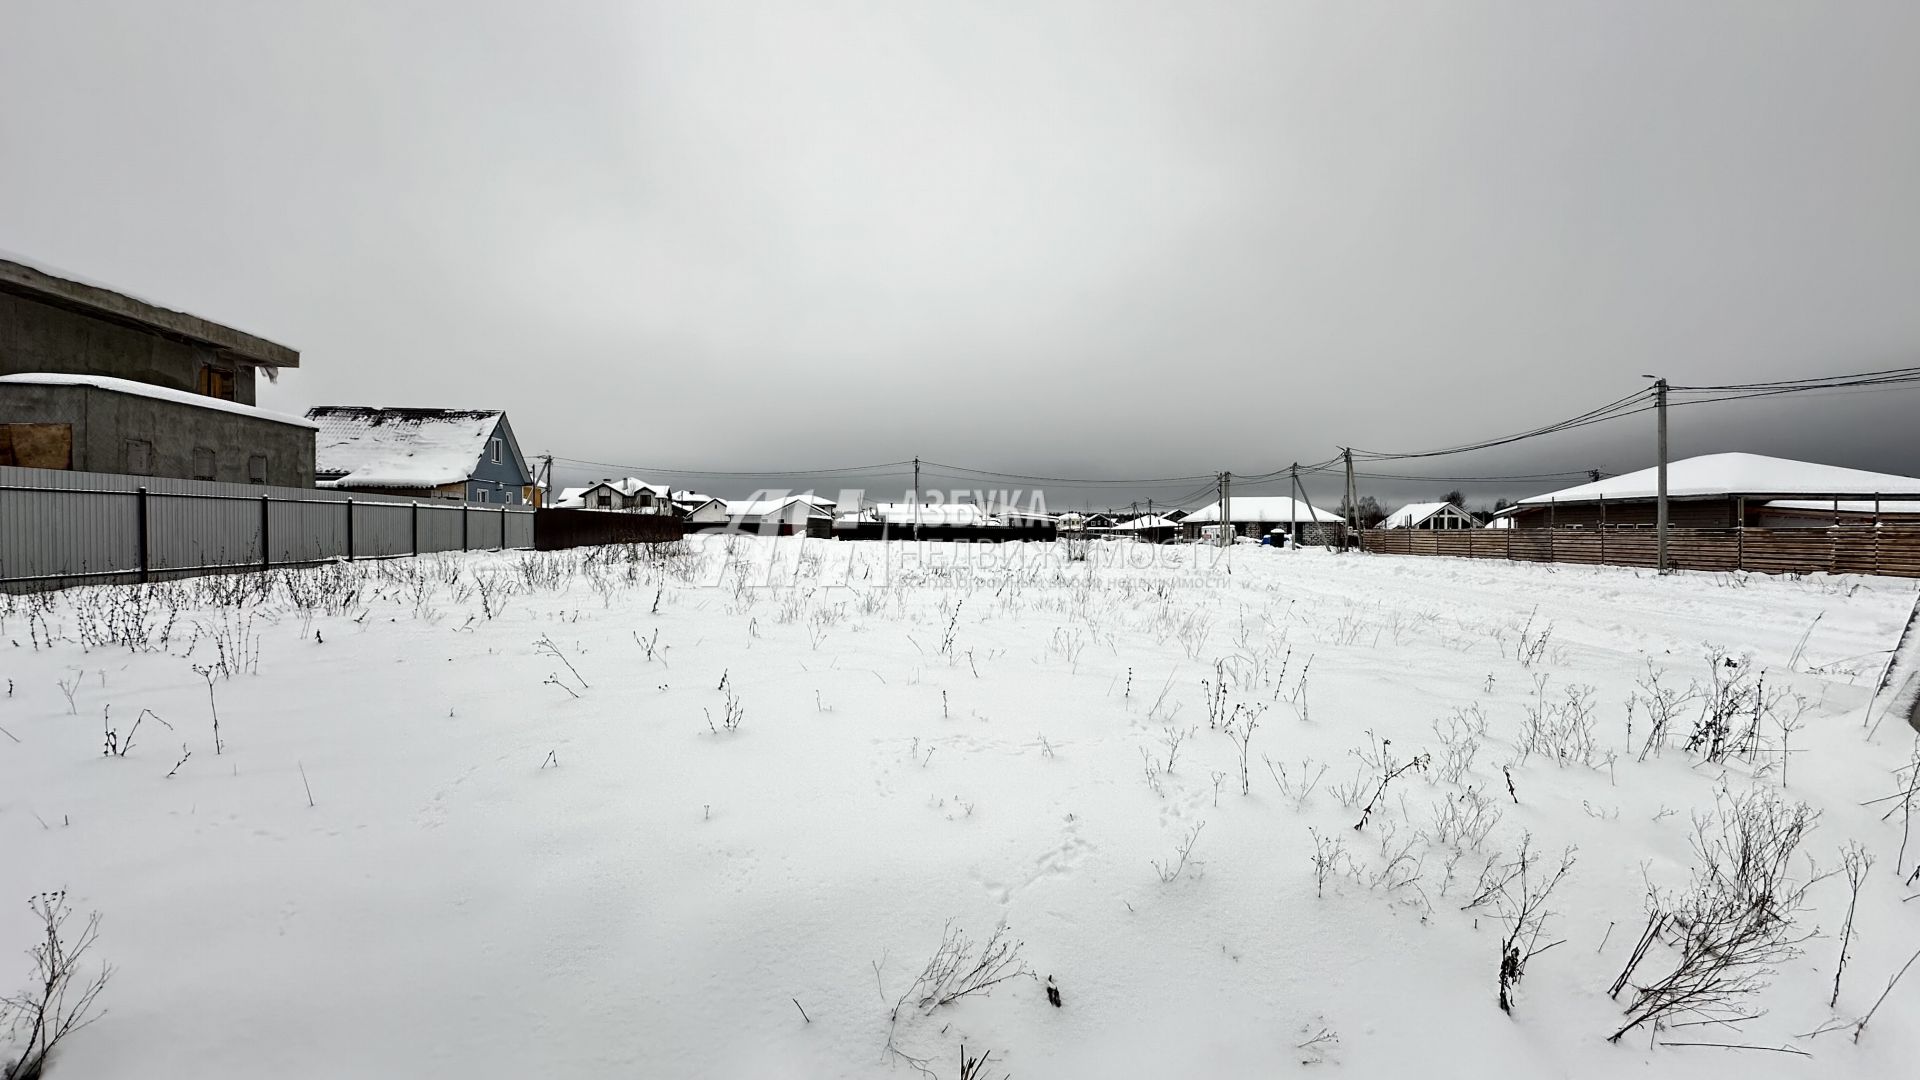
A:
(1662, 704)
(1855, 861)
(1733, 924)
(1169, 869)
(1329, 852)
(60, 998)
(1517, 891)
(959, 967)
(1380, 756)
(1464, 820)
(1299, 787)
(1563, 730)
(1239, 727)
(1459, 744)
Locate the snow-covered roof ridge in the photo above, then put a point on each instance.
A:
(1266, 509)
(1413, 514)
(157, 393)
(365, 446)
(902, 513)
(1736, 474)
(1146, 521)
(629, 486)
(764, 507)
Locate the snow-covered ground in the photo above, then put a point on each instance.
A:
(529, 854)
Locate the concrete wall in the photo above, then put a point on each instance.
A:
(41, 337)
(104, 422)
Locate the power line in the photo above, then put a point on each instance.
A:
(1863, 378)
(738, 474)
(1081, 480)
(1614, 410)
(1582, 474)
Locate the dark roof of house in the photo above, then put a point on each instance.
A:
(60, 290)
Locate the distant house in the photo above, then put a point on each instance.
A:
(98, 381)
(686, 502)
(1260, 515)
(899, 514)
(1723, 491)
(464, 454)
(1147, 528)
(791, 515)
(1435, 515)
(631, 494)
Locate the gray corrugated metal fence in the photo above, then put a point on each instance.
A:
(70, 528)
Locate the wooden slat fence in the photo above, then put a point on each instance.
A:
(1889, 550)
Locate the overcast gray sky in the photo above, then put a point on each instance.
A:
(1087, 238)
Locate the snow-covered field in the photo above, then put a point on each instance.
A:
(535, 848)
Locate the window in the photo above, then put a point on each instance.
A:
(603, 499)
(480, 494)
(139, 457)
(496, 451)
(203, 463)
(219, 383)
(257, 469)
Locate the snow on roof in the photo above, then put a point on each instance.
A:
(630, 486)
(1146, 521)
(1264, 509)
(902, 513)
(1413, 514)
(158, 393)
(401, 448)
(760, 508)
(1736, 474)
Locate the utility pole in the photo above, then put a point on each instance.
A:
(1660, 507)
(1226, 509)
(1313, 513)
(916, 498)
(1293, 507)
(544, 491)
(1353, 508)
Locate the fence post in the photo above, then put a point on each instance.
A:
(266, 552)
(140, 523)
(349, 528)
(416, 528)
(466, 529)
(503, 528)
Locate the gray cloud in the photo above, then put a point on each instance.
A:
(1058, 239)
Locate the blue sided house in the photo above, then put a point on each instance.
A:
(464, 454)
